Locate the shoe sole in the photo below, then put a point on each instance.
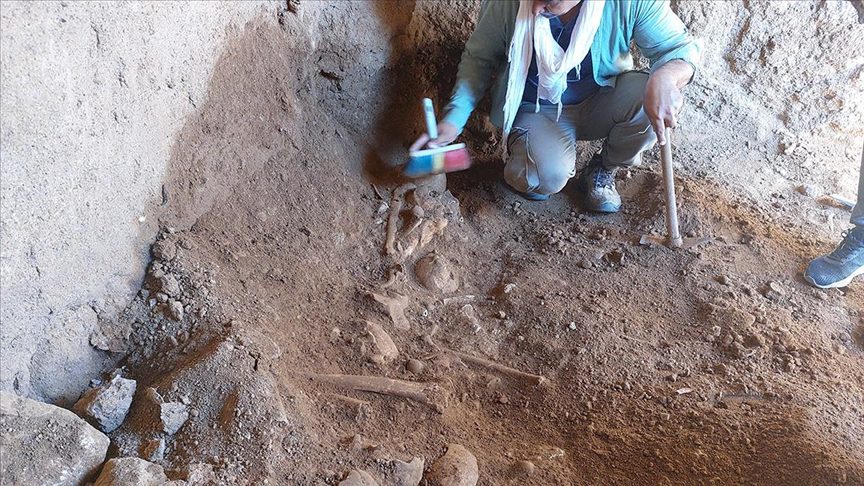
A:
(839, 284)
(607, 208)
(534, 197)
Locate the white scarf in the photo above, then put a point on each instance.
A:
(532, 34)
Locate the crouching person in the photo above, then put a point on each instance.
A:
(563, 72)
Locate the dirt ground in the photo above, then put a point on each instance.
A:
(528, 331)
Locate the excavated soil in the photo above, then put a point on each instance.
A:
(714, 365)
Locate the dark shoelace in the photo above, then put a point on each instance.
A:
(849, 247)
(604, 177)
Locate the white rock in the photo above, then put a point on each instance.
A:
(408, 473)
(106, 406)
(45, 444)
(173, 415)
(131, 470)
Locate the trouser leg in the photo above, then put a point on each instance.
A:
(542, 152)
(616, 114)
(858, 211)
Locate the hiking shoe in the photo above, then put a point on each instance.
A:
(533, 196)
(838, 268)
(598, 183)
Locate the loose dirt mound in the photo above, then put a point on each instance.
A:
(554, 348)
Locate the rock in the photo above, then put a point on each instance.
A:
(525, 468)
(773, 290)
(173, 415)
(754, 340)
(408, 473)
(358, 477)
(169, 285)
(809, 190)
(131, 470)
(111, 335)
(152, 395)
(722, 279)
(164, 250)
(434, 273)
(175, 310)
(614, 257)
(415, 366)
(458, 467)
(469, 317)
(45, 444)
(106, 407)
(785, 337)
(258, 344)
(200, 474)
(153, 450)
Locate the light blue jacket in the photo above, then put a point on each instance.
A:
(658, 32)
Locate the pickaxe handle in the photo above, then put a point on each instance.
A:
(672, 233)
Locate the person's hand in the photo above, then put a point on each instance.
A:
(663, 101)
(447, 132)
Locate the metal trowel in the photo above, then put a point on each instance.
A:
(673, 237)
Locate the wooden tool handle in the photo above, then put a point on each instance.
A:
(672, 232)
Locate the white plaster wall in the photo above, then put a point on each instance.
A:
(91, 97)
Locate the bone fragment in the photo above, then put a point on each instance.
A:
(379, 384)
(504, 370)
(395, 308)
(386, 350)
(396, 202)
(430, 229)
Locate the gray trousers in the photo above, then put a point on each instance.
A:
(543, 152)
(858, 211)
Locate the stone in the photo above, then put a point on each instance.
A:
(526, 468)
(408, 473)
(173, 415)
(106, 407)
(458, 467)
(200, 474)
(164, 250)
(175, 310)
(169, 285)
(45, 444)
(773, 290)
(809, 190)
(435, 273)
(754, 340)
(153, 450)
(358, 477)
(131, 470)
(614, 257)
(414, 366)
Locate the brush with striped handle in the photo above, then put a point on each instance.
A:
(430, 161)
